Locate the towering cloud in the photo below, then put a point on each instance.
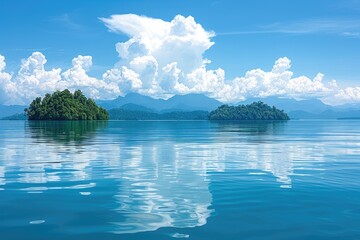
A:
(161, 59)
(167, 57)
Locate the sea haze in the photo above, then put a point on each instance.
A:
(190, 179)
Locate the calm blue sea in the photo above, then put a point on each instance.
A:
(154, 180)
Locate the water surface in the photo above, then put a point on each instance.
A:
(170, 180)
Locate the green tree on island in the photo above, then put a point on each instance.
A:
(63, 105)
(253, 111)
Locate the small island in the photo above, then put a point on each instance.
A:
(253, 111)
(63, 105)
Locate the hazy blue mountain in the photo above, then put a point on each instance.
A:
(288, 105)
(16, 116)
(349, 106)
(328, 114)
(310, 109)
(133, 98)
(6, 111)
(123, 114)
(136, 107)
(192, 102)
(298, 114)
(189, 102)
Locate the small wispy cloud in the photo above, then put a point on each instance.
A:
(349, 28)
(66, 21)
(352, 34)
(328, 26)
(242, 33)
(26, 49)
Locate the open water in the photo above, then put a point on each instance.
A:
(153, 180)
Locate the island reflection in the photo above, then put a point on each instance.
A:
(64, 132)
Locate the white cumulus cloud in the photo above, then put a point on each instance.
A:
(347, 95)
(166, 56)
(7, 87)
(33, 80)
(77, 78)
(160, 59)
(277, 82)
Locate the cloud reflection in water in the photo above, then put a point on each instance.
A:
(158, 173)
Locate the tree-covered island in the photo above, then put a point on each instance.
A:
(63, 105)
(253, 111)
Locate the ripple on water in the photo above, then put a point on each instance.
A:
(180, 235)
(85, 193)
(36, 222)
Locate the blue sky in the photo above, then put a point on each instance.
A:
(320, 36)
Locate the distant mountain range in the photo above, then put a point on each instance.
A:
(123, 114)
(189, 102)
(296, 109)
(6, 111)
(313, 106)
(310, 109)
(137, 105)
